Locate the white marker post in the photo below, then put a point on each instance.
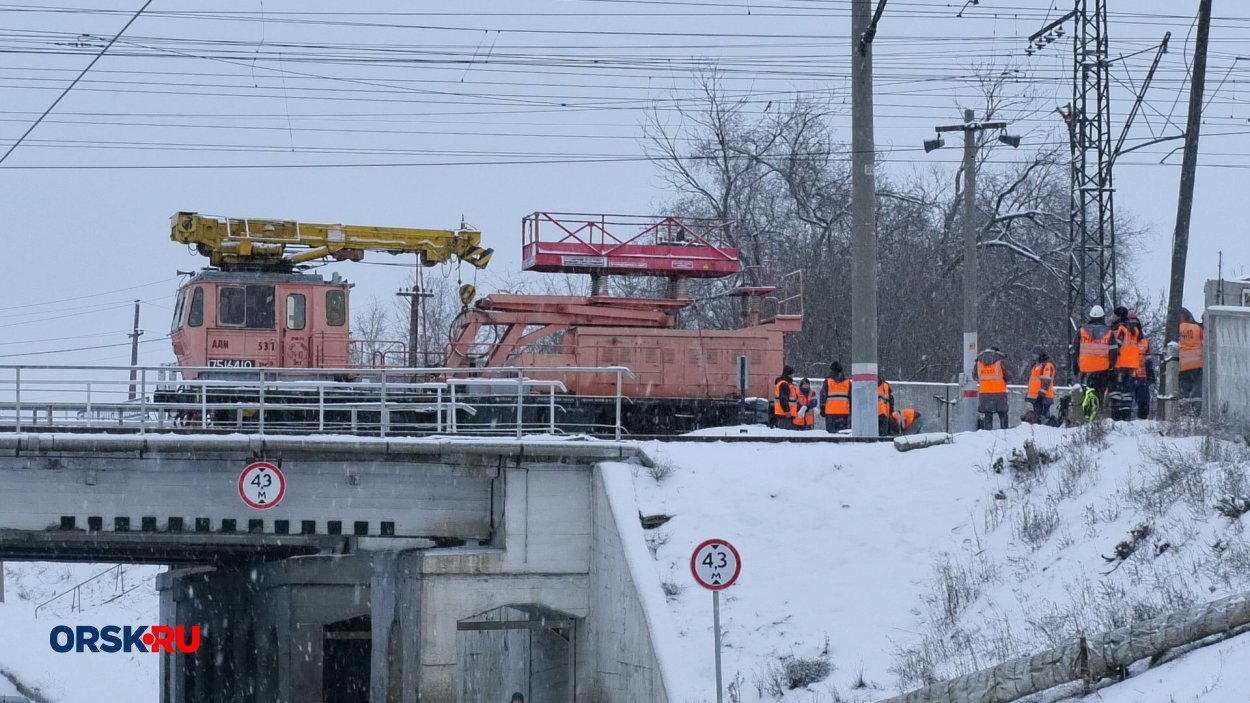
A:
(716, 565)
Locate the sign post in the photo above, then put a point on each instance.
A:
(716, 565)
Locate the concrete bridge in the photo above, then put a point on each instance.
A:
(389, 571)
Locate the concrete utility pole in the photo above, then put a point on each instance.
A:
(416, 302)
(864, 224)
(134, 352)
(970, 128)
(1189, 167)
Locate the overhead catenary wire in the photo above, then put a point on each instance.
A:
(70, 87)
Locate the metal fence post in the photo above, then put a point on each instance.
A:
(90, 422)
(260, 411)
(520, 400)
(321, 408)
(551, 409)
(451, 410)
(617, 432)
(143, 400)
(203, 404)
(384, 416)
(17, 399)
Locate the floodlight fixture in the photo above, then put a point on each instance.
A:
(1010, 140)
(931, 144)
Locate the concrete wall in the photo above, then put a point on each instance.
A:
(1226, 375)
(622, 632)
(562, 551)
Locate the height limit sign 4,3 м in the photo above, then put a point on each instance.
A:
(262, 485)
(716, 565)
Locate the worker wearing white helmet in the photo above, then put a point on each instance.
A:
(1097, 352)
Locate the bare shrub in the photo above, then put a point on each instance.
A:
(672, 589)
(1094, 434)
(1178, 475)
(915, 667)
(1232, 507)
(1035, 523)
(859, 682)
(802, 672)
(957, 585)
(734, 689)
(997, 511)
(1076, 462)
(656, 539)
(661, 469)
(770, 680)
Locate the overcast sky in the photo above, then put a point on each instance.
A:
(488, 111)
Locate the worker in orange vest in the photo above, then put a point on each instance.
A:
(1096, 353)
(803, 411)
(905, 421)
(783, 400)
(1144, 374)
(1128, 357)
(835, 399)
(1041, 391)
(885, 405)
(1191, 356)
(992, 375)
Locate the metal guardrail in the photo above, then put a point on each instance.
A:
(117, 571)
(381, 402)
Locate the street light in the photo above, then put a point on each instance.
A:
(970, 128)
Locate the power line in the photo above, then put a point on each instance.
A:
(74, 83)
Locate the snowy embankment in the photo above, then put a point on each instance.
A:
(27, 659)
(894, 569)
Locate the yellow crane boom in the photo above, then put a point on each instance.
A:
(281, 244)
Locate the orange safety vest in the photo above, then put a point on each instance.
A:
(837, 397)
(1095, 353)
(905, 418)
(803, 400)
(991, 377)
(1143, 350)
(1044, 371)
(790, 393)
(883, 399)
(1129, 356)
(1191, 346)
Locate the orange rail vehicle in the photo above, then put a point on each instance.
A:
(683, 377)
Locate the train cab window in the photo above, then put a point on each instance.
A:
(178, 309)
(195, 318)
(336, 308)
(231, 306)
(295, 308)
(260, 308)
(251, 307)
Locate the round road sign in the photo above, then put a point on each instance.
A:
(715, 564)
(262, 485)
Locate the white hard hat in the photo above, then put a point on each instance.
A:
(1097, 311)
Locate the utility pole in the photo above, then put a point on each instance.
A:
(971, 128)
(416, 301)
(1189, 167)
(864, 224)
(134, 351)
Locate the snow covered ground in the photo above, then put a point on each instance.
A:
(27, 658)
(898, 569)
(889, 569)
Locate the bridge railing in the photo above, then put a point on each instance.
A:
(380, 402)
